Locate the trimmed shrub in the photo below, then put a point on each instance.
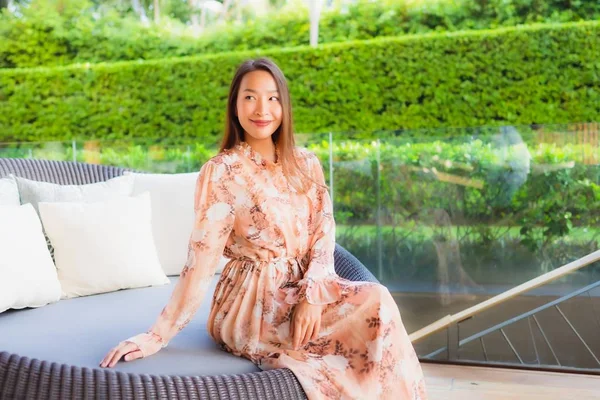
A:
(513, 76)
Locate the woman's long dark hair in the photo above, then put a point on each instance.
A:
(283, 137)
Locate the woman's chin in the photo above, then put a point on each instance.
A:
(260, 133)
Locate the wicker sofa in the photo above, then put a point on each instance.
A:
(53, 352)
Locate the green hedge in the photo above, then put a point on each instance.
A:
(47, 36)
(528, 75)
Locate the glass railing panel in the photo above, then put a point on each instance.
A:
(445, 218)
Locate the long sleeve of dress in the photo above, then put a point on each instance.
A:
(215, 215)
(320, 283)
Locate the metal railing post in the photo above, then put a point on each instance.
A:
(453, 341)
(331, 191)
(378, 215)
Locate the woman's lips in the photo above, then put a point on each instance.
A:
(260, 123)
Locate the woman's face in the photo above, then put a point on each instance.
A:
(258, 107)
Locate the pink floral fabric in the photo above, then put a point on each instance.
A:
(281, 247)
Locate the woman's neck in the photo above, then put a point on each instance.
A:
(265, 147)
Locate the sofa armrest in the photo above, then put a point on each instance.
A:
(25, 378)
(349, 267)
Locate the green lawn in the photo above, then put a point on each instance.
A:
(578, 234)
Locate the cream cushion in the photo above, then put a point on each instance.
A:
(27, 274)
(172, 216)
(9, 192)
(103, 246)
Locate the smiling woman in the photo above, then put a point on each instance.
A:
(259, 110)
(263, 203)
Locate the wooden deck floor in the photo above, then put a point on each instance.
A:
(452, 382)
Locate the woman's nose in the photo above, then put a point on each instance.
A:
(262, 107)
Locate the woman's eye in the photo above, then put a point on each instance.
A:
(276, 98)
(249, 97)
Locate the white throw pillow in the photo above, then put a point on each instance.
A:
(35, 192)
(103, 247)
(9, 192)
(172, 198)
(27, 274)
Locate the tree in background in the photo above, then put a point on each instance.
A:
(59, 32)
(197, 14)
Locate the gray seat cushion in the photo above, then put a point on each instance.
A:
(81, 331)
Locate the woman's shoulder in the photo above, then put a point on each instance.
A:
(302, 153)
(226, 157)
(309, 160)
(221, 163)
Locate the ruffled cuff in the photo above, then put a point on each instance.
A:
(148, 343)
(320, 291)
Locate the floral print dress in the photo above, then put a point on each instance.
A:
(281, 248)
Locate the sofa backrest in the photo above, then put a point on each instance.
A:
(61, 172)
(75, 173)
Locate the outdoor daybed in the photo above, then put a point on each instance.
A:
(53, 351)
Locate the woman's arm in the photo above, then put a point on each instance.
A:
(320, 284)
(215, 215)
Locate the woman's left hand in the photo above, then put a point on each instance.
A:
(306, 323)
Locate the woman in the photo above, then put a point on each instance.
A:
(279, 303)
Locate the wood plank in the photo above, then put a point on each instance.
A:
(449, 382)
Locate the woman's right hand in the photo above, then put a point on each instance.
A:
(139, 346)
